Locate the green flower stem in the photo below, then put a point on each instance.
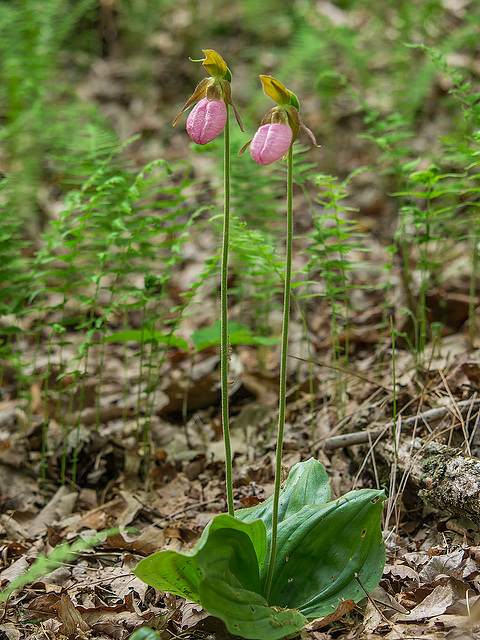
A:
(224, 317)
(283, 373)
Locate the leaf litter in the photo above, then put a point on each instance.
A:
(431, 580)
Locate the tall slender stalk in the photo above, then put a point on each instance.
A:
(224, 316)
(283, 372)
(473, 279)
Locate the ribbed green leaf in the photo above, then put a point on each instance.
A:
(230, 553)
(230, 589)
(307, 484)
(237, 334)
(139, 335)
(180, 573)
(171, 571)
(320, 549)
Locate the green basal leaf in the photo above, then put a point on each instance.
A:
(230, 553)
(307, 484)
(321, 544)
(237, 334)
(321, 549)
(230, 589)
(171, 571)
(180, 573)
(144, 633)
(221, 573)
(247, 614)
(139, 335)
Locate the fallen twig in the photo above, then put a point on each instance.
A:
(431, 415)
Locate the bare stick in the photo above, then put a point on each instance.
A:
(363, 437)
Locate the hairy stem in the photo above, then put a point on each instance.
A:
(224, 317)
(283, 373)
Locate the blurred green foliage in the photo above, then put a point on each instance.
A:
(390, 87)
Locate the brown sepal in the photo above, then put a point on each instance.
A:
(293, 113)
(198, 94)
(244, 148)
(267, 118)
(228, 98)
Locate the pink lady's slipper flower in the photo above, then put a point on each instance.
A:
(207, 119)
(279, 128)
(271, 142)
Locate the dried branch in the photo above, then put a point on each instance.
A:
(428, 417)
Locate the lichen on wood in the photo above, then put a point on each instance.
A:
(452, 481)
(446, 479)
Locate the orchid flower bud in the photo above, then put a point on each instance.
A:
(271, 142)
(279, 128)
(206, 120)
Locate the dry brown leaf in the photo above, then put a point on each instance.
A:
(344, 607)
(401, 572)
(101, 517)
(444, 564)
(202, 393)
(19, 489)
(15, 570)
(436, 603)
(132, 507)
(264, 388)
(110, 629)
(151, 539)
(388, 602)
(57, 509)
(72, 621)
(122, 583)
(13, 530)
(192, 615)
(9, 631)
(44, 604)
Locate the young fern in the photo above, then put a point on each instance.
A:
(334, 236)
(112, 230)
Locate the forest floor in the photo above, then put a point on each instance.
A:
(163, 498)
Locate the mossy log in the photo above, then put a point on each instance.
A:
(446, 479)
